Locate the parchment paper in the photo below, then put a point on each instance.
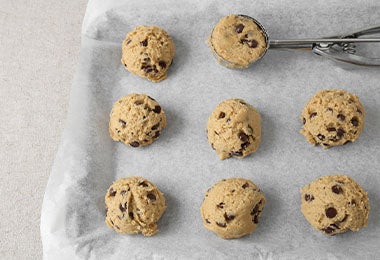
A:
(181, 163)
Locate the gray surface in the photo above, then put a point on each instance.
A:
(39, 51)
(181, 163)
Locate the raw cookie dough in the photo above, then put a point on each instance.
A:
(137, 120)
(134, 205)
(234, 129)
(236, 41)
(148, 52)
(332, 117)
(334, 204)
(232, 208)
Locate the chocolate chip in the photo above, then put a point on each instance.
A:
(228, 120)
(344, 219)
(131, 215)
(122, 123)
(243, 137)
(330, 109)
(146, 59)
(341, 117)
(112, 192)
(354, 121)
(255, 219)
(251, 43)
(128, 42)
(221, 224)
(331, 212)
(245, 185)
(331, 129)
(244, 145)
(337, 189)
(143, 184)
(139, 102)
(309, 197)
(228, 217)
(112, 222)
(144, 43)
(321, 137)
(123, 208)
(221, 115)
(162, 64)
(303, 120)
(353, 202)
(359, 111)
(155, 126)
(157, 134)
(157, 109)
(134, 144)
(340, 132)
(220, 205)
(239, 28)
(313, 115)
(255, 209)
(237, 153)
(151, 196)
(327, 230)
(207, 221)
(122, 192)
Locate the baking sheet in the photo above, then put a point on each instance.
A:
(181, 163)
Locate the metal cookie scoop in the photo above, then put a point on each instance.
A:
(338, 48)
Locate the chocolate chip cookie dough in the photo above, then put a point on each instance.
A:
(136, 120)
(334, 204)
(236, 41)
(134, 205)
(234, 129)
(232, 208)
(148, 52)
(332, 117)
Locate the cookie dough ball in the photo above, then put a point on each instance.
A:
(237, 40)
(148, 52)
(334, 204)
(137, 120)
(332, 117)
(134, 205)
(234, 129)
(232, 208)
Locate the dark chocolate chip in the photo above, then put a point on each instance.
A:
(353, 202)
(239, 28)
(221, 224)
(157, 134)
(328, 230)
(303, 120)
(134, 144)
(207, 221)
(144, 43)
(222, 115)
(251, 43)
(255, 209)
(331, 212)
(244, 145)
(330, 109)
(220, 205)
(155, 126)
(123, 208)
(331, 129)
(359, 111)
(162, 64)
(245, 185)
(122, 192)
(151, 196)
(143, 184)
(228, 120)
(139, 102)
(122, 123)
(337, 189)
(157, 109)
(341, 117)
(131, 215)
(255, 219)
(313, 115)
(309, 197)
(354, 121)
(243, 137)
(146, 59)
(321, 137)
(340, 132)
(237, 153)
(112, 192)
(228, 217)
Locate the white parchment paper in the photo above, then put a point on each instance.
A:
(181, 163)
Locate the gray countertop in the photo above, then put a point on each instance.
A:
(39, 51)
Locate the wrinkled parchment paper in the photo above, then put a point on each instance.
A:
(181, 163)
